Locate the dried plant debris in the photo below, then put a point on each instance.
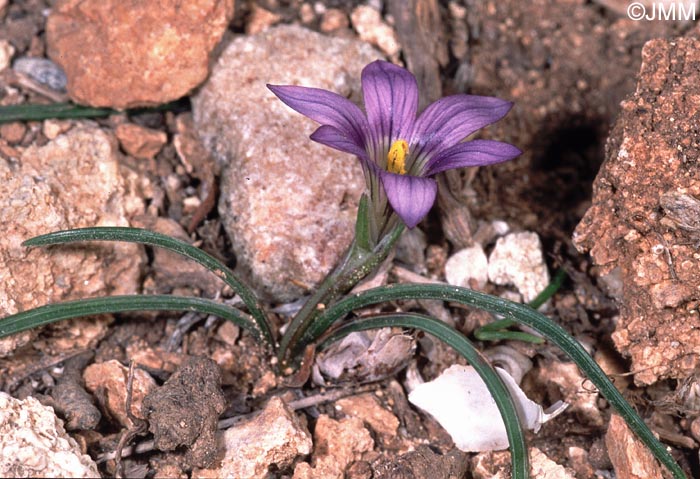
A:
(364, 356)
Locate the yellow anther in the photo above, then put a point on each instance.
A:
(396, 158)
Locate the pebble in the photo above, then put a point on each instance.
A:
(42, 70)
(542, 467)
(260, 20)
(139, 53)
(336, 445)
(6, 52)
(276, 437)
(368, 408)
(110, 377)
(517, 259)
(334, 19)
(140, 142)
(33, 443)
(288, 204)
(370, 27)
(468, 268)
(631, 459)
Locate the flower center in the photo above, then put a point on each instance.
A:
(396, 158)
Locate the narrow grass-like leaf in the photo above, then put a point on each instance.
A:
(118, 304)
(463, 346)
(520, 313)
(362, 229)
(355, 265)
(35, 112)
(497, 330)
(138, 235)
(52, 110)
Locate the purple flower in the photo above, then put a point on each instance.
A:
(394, 146)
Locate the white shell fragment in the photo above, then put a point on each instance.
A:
(459, 400)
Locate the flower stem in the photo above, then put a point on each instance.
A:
(357, 263)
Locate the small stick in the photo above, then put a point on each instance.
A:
(139, 426)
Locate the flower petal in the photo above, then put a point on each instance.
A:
(327, 108)
(337, 139)
(471, 153)
(453, 118)
(410, 196)
(391, 101)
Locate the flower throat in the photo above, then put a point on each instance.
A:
(396, 158)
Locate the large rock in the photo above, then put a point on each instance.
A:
(73, 181)
(137, 53)
(288, 204)
(33, 443)
(642, 229)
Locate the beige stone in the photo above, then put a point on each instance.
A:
(336, 445)
(140, 142)
(137, 53)
(73, 181)
(631, 459)
(371, 28)
(287, 203)
(275, 436)
(108, 380)
(33, 443)
(368, 408)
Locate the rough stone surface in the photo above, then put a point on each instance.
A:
(543, 467)
(73, 181)
(33, 443)
(468, 267)
(630, 458)
(336, 445)
(517, 259)
(368, 408)
(108, 382)
(137, 53)
(371, 28)
(275, 436)
(288, 204)
(140, 142)
(639, 229)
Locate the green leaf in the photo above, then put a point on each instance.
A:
(53, 110)
(463, 346)
(362, 229)
(497, 330)
(35, 112)
(137, 235)
(52, 313)
(520, 313)
(355, 265)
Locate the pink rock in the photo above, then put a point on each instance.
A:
(136, 53)
(640, 229)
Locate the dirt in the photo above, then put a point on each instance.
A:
(567, 66)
